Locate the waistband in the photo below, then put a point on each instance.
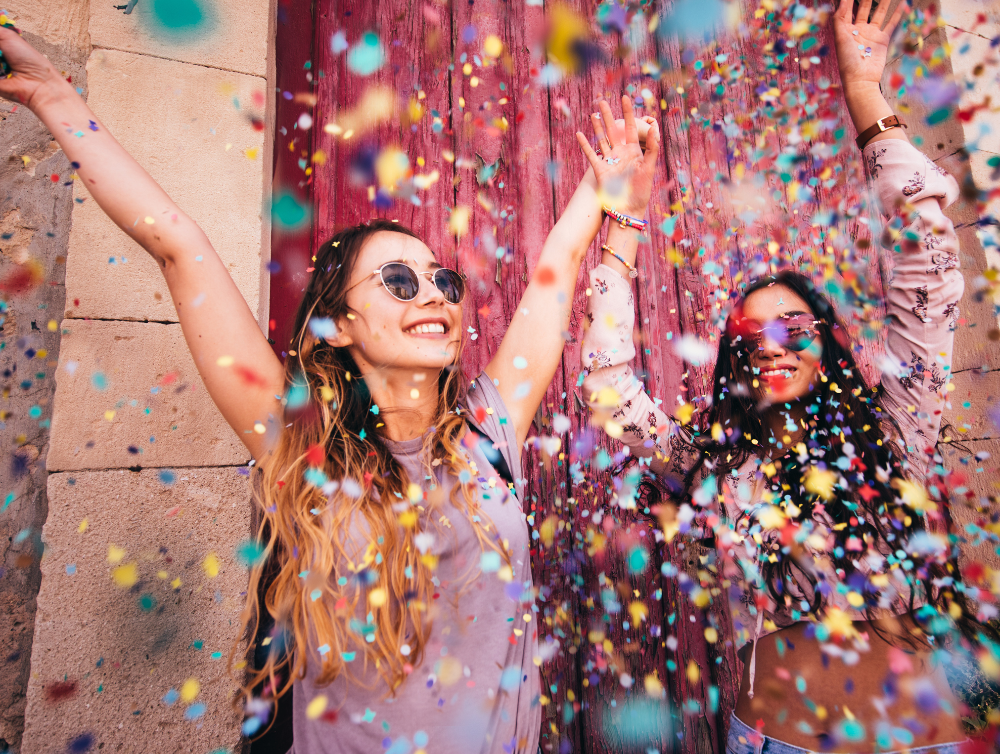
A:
(754, 743)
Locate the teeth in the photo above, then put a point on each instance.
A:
(435, 327)
(773, 372)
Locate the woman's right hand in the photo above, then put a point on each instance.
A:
(33, 75)
(624, 172)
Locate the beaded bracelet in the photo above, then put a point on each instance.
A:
(625, 221)
(632, 271)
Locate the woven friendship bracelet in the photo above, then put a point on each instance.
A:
(625, 221)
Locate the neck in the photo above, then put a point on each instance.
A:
(407, 400)
(778, 424)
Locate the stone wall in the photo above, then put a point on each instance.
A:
(35, 212)
(142, 487)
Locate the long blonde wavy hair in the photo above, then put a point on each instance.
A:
(313, 573)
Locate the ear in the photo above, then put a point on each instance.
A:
(341, 337)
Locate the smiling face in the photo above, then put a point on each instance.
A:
(389, 334)
(786, 375)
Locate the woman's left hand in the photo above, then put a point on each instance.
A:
(863, 46)
(624, 173)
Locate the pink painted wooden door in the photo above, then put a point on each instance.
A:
(505, 151)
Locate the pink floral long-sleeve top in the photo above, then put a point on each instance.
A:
(922, 312)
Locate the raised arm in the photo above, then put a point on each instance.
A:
(537, 335)
(926, 287)
(239, 369)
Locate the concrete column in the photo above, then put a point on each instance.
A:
(149, 497)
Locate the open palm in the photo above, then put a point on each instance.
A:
(624, 173)
(862, 46)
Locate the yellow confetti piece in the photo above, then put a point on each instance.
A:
(53, 326)
(693, 672)
(225, 361)
(458, 223)
(149, 220)
(176, 583)
(162, 575)
(414, 492)
(190, 690)
(408, 519)
(606, 397)
(316, 707)
(711, 635)
(638, 612)
(653, 686)
(115, 553)
(820, 482)
(377, 597)
(211, 565)
(125, 576)
(613, 429)
(493, 46)
(684, 412)
(83, 526)
(326, 393)
(259, 428)
(251, 154)
(109, 415)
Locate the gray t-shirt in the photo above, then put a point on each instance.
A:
(477, 688)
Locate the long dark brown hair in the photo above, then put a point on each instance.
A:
(314, 573)
(867, 504)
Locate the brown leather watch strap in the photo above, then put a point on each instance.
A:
(882, 124)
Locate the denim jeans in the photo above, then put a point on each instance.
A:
(744, 740)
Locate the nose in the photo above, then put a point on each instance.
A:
(428, 294)
(769, 348)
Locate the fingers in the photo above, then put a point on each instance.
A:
(631, 132)
(602, 137)
(864, 8)
(588, 151)
(652, 148)
(880, 12)
(609, 119)
(901, 8)
(844, 10)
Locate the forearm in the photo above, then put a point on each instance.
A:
(866, 105)
(576, 228)
(122, 188)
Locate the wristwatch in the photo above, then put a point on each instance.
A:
(882, 124)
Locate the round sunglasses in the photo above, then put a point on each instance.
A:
(795, 332)
(403, 282)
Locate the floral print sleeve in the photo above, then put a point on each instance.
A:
(611, 387)
(926, 287)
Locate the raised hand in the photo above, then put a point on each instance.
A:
(624, 173)
(32, 73)
(862, 46)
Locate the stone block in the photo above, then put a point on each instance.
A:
(129, 610)
(977, 70)
(935, 141)
(128, 394)
(967, 15)
(60, 22)
(190, 127)
(228, 34)
(976, 462)
(976, 394)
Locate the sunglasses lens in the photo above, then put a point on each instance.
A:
(800, 332)
(450, 283)
(400, 281)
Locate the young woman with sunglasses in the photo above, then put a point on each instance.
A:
(398, 546)
(838, 596)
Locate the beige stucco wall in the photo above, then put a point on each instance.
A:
(144, 473)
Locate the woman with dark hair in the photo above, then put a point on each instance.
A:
(397, 542)
(809, 480)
